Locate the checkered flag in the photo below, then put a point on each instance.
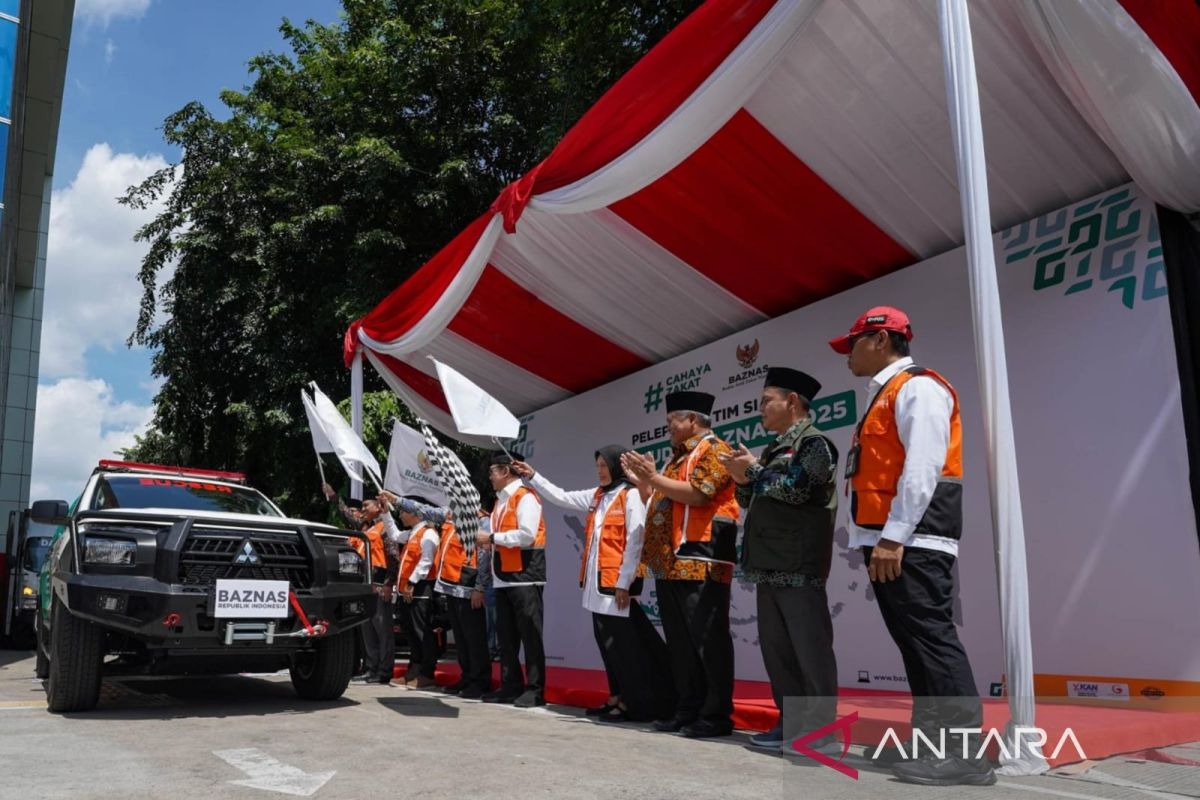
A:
(462, 496)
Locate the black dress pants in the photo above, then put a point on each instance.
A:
(416, 619)
(379, 643)
(470, 643)
(695, 618)
(795, 633)
(519, 625)
(918, 610)
(637, 663)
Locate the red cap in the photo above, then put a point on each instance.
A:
(879, 318)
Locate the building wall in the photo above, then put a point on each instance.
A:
(34, 40)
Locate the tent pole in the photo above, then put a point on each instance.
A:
(356, 412)
(962, 95)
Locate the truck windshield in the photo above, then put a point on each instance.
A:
(37, 544)
(133, 491)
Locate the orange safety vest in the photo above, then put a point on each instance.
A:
(519, 564)
(707, 532)
(452, 559)
(378, 554)
(412, 554)
(611, 544)
(880, 460)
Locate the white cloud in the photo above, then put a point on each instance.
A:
(110, 50)
(78, 423)
(92, 292)
(103, 12)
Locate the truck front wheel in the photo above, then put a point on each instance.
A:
(76, 658)
(323, 673)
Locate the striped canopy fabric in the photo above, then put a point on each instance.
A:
(768, 154)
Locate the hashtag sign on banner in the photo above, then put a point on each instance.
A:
(462, 496)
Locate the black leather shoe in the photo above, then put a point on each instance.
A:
(600, 711)
(888, 756)
(703, 729)
(615, 714)
(945, 772)
(455, 688)
(670, 725)
(471, 693)
(529, 700)
(500, 696)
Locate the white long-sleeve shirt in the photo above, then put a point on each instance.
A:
(429, 545)
(635, 534)
(923, 408)
(529, 519)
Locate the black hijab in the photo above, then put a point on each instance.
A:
(612, 456)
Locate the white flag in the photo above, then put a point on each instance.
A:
(320, 440)
(410, 470)
(474, 410)
(340, 437)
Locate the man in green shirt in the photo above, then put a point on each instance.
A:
(787, 547)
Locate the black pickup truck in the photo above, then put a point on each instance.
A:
(173, 571)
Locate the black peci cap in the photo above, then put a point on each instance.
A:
(698, 402)
(793, 380)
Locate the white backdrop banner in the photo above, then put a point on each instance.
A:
(1112, 542)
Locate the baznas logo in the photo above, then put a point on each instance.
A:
(247, 554)
(423, 461)
(747, 354)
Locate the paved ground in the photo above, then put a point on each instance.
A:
(164, 738)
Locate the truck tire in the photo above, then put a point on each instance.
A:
(324, 673)
(41, 666)
(76, 658)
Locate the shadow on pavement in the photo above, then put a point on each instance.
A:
(420, 707)
(200, 697)
(13, 656)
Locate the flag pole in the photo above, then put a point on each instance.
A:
(321, 469)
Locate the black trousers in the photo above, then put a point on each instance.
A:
(470, 643)
(695, 619)
(416, 620)
(637, 663)
(379, 643)
(795, 633)
(519, 625)
(918, 611)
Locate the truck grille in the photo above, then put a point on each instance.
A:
(207, 557)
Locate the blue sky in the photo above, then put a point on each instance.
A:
(131, 63)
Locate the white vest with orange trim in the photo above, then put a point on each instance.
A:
(707, 532)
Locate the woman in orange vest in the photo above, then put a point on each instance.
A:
(635, 657)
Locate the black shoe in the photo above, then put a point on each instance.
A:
(365, 678)
(500, 696)
(529, 700)
(670, 725)
(888, 756)
(703, 729)
(614, 714)
(454, 688)
(945, 772)
(600, 711)
(471, 693)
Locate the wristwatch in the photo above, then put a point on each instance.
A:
(492, 539)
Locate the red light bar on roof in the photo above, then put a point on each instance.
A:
(185, 472)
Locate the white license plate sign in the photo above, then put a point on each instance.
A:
(253, 599)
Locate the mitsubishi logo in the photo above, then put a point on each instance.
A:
(246, 554)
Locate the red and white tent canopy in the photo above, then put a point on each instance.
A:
(769, 153)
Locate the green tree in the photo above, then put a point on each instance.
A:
(340, 169)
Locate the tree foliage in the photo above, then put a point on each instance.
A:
(342, 167)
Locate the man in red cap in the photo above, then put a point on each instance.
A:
(905, 473)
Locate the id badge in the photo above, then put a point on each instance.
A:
(852, 461)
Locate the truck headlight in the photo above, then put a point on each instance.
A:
(99, 550)
(349, 563)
